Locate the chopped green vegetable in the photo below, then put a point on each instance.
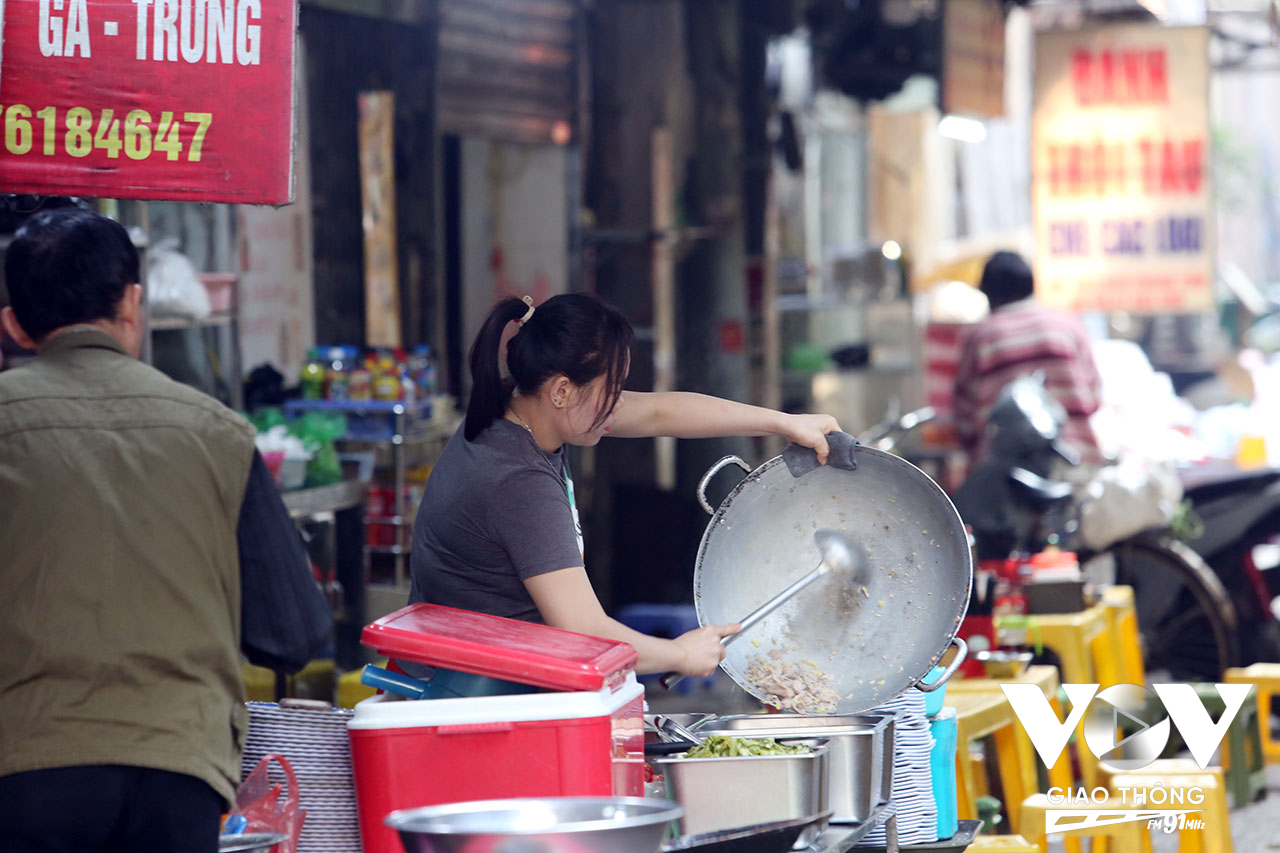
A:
(719, 746)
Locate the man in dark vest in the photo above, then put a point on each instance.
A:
(143, 547)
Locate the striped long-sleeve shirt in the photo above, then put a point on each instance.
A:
(1015, 340)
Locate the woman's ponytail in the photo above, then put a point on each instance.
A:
(572, 335)
(490, 393)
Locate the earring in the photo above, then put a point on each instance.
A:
(559, 404)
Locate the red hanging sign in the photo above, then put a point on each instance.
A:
(189, 100)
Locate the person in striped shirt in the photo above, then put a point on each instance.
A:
(1019, 337)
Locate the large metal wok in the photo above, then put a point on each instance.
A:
(875, 634)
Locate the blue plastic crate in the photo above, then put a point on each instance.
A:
(368, 420)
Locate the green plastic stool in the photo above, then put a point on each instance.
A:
(1245, 769)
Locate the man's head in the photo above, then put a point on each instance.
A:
(72, 267)
(1006, 278)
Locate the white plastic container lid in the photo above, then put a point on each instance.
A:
(386, 711)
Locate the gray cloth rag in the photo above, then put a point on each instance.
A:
(801, 460)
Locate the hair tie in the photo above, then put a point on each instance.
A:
(528, 300)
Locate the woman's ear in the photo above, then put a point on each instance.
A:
(559, 391)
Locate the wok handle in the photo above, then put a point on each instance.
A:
(962, 649)
(670, 680)
(711, 472)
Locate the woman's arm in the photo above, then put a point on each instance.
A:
(566, 600)
(686, 415)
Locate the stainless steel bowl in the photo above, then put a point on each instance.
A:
(259, 842)
(537, 825)
(1000, 664)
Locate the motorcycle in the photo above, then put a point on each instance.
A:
(1236, 516)
(1017, 504)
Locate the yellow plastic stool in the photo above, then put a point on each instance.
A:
(1002, 843)
(1122, 624)
(1131, 837)
(981, 715)
(316, 680)
(1071, 636)
(352, 690)
(1044, 677)
(1183, 775)
(1267, 678)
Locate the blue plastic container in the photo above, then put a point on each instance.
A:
(942, 764)
(933, 701)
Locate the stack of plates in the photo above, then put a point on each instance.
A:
(316, 744)
(912, 778)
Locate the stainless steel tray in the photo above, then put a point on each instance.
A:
(776, 837)
(729, 793)
(856, 760)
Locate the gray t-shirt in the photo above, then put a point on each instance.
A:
(495, 511)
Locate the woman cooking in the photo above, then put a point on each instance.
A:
(498, 529)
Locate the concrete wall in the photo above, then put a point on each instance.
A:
(514, 225)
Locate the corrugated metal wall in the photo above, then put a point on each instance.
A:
(507, 68)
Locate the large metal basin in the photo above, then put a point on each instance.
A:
(856, 753)
(537, 825)
(726, 793)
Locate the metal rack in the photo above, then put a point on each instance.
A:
(398, 434)
(841, 838)
(218, 334)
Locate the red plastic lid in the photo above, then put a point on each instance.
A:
(500, 648)
(1054, 560)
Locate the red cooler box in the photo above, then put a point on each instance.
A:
(583, 736)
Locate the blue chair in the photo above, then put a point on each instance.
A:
(664, 620)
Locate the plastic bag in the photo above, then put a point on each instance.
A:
(318, 431)
(1123, 500)
(173, 285)
(267, 417)
(260, 802)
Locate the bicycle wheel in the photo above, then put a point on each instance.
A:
(1185, 617)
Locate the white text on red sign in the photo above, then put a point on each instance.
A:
(215, 31)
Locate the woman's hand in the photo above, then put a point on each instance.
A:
(701, 649)
(811, 431)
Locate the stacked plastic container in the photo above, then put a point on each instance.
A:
(583, 735)
(942, 761)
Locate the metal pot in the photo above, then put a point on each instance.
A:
(870, 636)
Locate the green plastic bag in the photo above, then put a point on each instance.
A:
(265, 418)
(318, 431)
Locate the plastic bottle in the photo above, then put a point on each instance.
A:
(1009, 615)
(311, 380)
(386, 384)
(408, 385)
(337, 378)
(361, 382)
(423, 370)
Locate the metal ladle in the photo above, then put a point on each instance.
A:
(838, 555)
